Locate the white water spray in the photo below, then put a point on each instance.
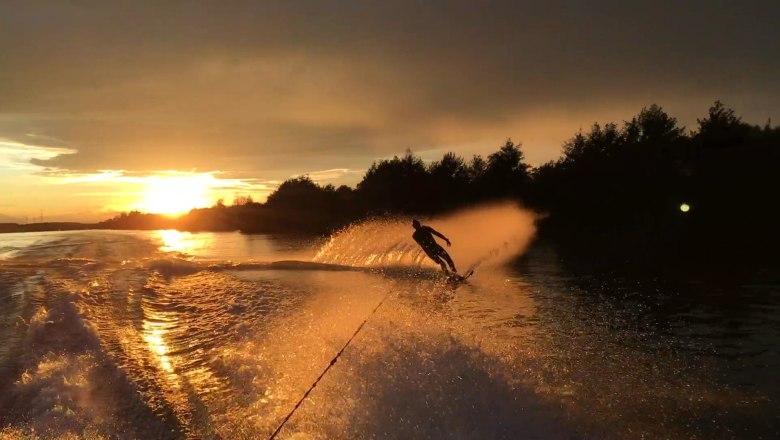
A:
(483, 234)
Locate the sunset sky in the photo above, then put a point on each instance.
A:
(107, 106)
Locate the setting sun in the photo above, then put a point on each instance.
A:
(175, 195)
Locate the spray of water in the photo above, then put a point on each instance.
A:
(483, 234)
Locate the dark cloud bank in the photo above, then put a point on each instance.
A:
(279, 88)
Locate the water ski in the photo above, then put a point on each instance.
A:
(456, 278)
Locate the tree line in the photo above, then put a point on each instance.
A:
(616, 192)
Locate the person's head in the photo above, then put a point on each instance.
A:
(416, 223)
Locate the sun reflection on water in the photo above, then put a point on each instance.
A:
(174, 241)
(153, 335)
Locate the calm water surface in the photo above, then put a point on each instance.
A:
(218, 335)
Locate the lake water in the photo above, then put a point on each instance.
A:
(109, 334)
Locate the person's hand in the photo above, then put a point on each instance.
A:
(448, 243)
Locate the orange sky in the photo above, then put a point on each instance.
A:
(106, 105)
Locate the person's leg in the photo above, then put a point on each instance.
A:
(447, 258)
(435, 255)
(443, 255)
(441, 263)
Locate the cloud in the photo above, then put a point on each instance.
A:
(211, 180)
(280, 87)
(20, 156)
(336, 174)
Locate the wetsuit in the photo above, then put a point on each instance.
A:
(424, 237)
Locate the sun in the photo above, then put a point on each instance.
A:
(175, 195)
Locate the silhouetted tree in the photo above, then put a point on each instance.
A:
(653, 126)
(721, 128)
(449, 178)
(400, 184)
(618, 191)
(300, 205)
(239, 200)
(476, 168)
(506, 174)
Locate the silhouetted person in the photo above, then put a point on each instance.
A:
(423, 235)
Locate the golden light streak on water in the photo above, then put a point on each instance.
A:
(153, 334)
(174, 241)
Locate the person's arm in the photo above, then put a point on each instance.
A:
(440, 235)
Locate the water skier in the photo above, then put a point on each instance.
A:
(423, 235)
